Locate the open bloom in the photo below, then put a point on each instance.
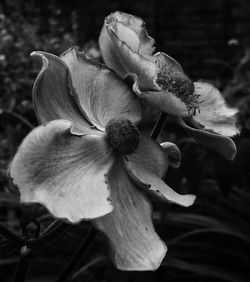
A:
(88, 160)
(160, 81)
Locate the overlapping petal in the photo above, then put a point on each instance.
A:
(120, 57)
(216, 142)
(128, 50)
(164, 61)
(173, 152)
(100, 94)
(51, 94)
(213, 112)
(162, 84)
(125, 34)
(166, 102)
(121, 52)
(147, 165)
(137, 25)
(65, 173)
(134, 243)
(68, 165)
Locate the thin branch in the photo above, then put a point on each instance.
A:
(21, 118)
(78, 255)
(29, 246)
(162, 119)
(50, 234)
(23, 265)
(54, 225)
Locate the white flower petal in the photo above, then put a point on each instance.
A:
(173, 153)
(216, 142)
(120, 57)
(166, 102)
(137, 25)
(134, 242)
(51, 94)
(146, 166)
(214, 114)
(164, 61)
(65, 173)
(126, 35)
(99, 92)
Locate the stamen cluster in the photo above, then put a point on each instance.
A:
(179, 84)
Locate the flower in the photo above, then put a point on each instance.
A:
(160, 81)
(88, 161)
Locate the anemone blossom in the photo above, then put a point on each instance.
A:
(88, 161)
(161, 82)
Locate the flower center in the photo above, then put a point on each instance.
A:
(123, 135)
(179, 84)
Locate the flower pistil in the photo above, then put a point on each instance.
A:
(180, 85)
(123, 135)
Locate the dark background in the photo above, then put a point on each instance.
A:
(207, 242)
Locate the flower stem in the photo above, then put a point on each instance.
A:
(78, 255)
(159, 125)
(28, 247)
(49, 235)
(23, 265)
(21, 118)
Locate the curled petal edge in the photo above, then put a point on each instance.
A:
(48, 103)
(48, 168)
(147, 176)
(138, 26)
(214, 114)
(133, 62)
(173, 153)
(163, 60)
(100, 94)
(216, 142)
(135, 246)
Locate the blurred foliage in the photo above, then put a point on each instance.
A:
(207, 242)
(20, 35)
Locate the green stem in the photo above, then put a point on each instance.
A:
(159, 125)
(78, 255)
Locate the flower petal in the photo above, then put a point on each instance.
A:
(110, 54)
(137, 25)
(216, 142)
(126, 35)
(164, 61)
(214, 114)
(99, 92)
(132, 80)
(120, 57)
(135, 245)
(147, 165)
(151, 155)
(166, 102)
(65, 173)
(51, 94)
(173, 153)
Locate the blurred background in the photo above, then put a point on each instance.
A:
(211, 40)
